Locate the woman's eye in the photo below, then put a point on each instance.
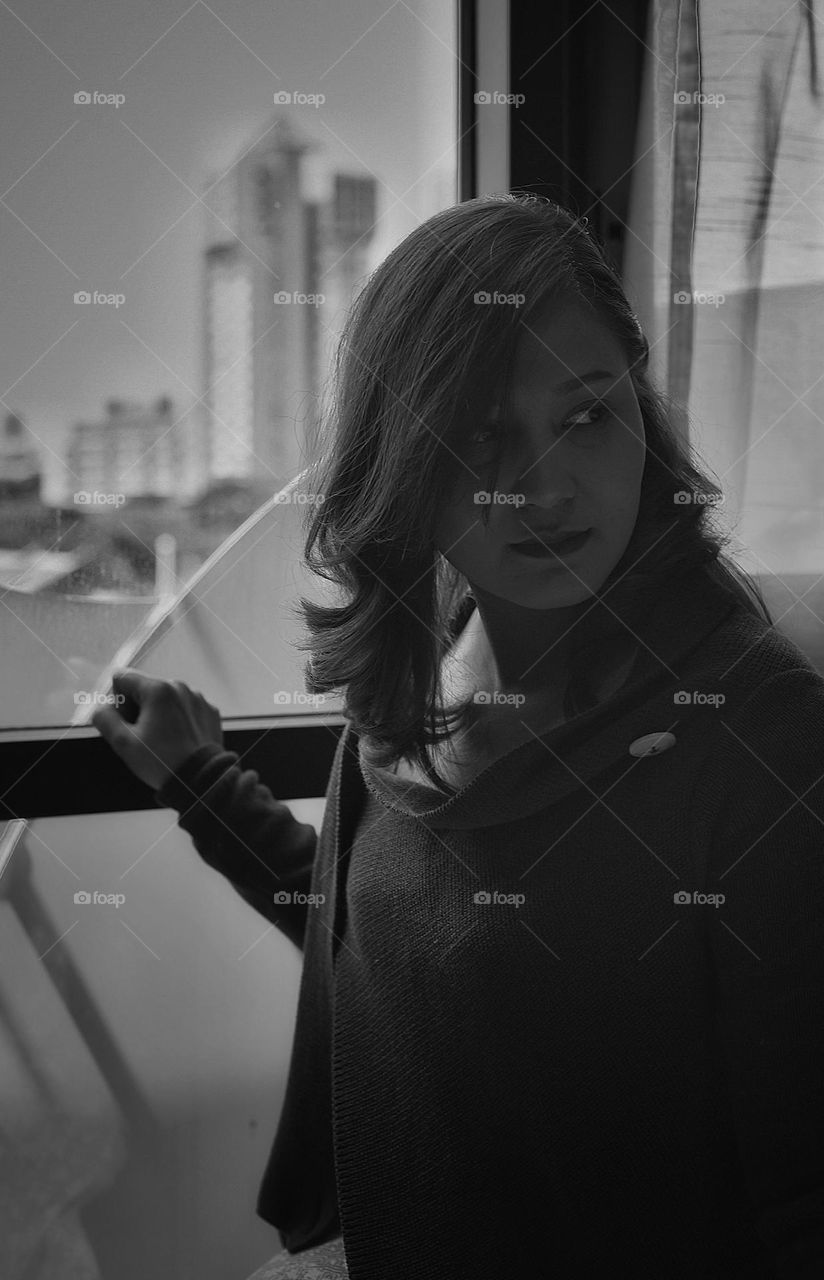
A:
(598, 409)
(485, 431)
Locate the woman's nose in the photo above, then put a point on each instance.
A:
(541, 475)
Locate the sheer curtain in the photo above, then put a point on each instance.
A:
(724, 263)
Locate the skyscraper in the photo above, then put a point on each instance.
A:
(271, 254)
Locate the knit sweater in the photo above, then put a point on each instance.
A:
(576, 1069)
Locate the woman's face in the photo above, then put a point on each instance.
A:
(569, 462)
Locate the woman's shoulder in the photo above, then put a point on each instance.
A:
(768, 693)
(756, 648)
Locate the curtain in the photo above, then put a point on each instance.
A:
(724, 259)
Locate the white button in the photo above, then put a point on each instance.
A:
(652, 744)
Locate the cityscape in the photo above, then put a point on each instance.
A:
(279, 267)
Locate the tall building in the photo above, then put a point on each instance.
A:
(132, 450)
(339, 232)
(265, 360)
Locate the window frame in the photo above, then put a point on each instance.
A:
(573, 138)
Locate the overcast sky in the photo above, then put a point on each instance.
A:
(98, 196)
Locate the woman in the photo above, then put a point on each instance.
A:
(558, 1007)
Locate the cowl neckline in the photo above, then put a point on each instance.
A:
(548, 765)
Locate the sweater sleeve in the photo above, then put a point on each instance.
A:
(242, 831)
(767, 950)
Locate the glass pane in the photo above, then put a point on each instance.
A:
(725, 262)
(188, 215)
(146, 1022)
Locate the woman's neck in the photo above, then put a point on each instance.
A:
(510, 653)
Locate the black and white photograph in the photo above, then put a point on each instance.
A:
(412, 640)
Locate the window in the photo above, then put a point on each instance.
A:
(187, 233)
(723, 255)
(165, 182)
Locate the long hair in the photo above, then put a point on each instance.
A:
(420, 361)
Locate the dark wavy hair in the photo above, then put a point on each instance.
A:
(418, 363)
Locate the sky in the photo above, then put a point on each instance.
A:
(103, 195)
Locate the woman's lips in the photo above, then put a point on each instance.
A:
(538, 551)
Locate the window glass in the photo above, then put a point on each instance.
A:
(189, 208)
(724, 260)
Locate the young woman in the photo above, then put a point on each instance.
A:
(560, 1008)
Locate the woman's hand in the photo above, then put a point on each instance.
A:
(157, 725)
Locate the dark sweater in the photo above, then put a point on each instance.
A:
(599, 1077)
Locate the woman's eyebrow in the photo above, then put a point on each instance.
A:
(594, 375)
